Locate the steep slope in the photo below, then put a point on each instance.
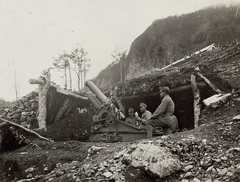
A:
(170, 39)
(207, 153)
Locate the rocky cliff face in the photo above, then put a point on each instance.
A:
(168, 40)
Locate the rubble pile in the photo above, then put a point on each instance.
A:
(186, 158)
(23, 111)
(205, 161)
(141, 156)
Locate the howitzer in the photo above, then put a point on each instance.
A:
(108, 122)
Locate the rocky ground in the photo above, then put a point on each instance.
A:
(210, 152)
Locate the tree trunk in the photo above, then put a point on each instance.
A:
(81, 79)
(65, 76)
(70, 77)
(43, 89)
(121, 72)
(196, 101)
(78, 76)
(84, 71)
(25, 129)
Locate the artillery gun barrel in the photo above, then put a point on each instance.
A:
(95, 102)
(100, 96)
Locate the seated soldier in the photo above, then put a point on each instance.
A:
(163, 116)
(131, 117)
(146, 115)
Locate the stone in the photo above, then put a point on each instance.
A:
(217, 160)
(107, 174)
(134, 174)
(7, 110)
(188, 174)
(119, 154)
(230, 174)
(208, 180)
(16, 116)
(117, 177)
(157, 161)
(29, 170)
(24, 114)
(224, 158)
(223, 172)
(59, 173)
(105, 164)
(216, 100)
(187, 168)
(204, 141)
(164, 137)
(209, 169)
(206, 161)
(29, 175)
(236, 118)
(196, 180)
(74, 162)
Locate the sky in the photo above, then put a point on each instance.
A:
(32, 32)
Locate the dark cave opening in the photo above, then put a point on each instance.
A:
(9, 141)
(182, 97)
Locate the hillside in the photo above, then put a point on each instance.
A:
(170, 39)
(207, 153)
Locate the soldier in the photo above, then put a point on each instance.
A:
(146, 115)
(131, 117)
(163, 116)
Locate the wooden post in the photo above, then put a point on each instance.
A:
(43, 86)
(207, 81)
(196, 100)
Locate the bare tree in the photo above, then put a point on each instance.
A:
(80, 65)
(76, 61)
(120, 58)
(62, 63)
(16, 82)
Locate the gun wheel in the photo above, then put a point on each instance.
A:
(111, 119)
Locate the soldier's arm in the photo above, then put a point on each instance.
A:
(160, 110)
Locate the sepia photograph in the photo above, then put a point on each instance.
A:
(119, 90)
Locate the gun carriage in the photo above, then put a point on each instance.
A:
(109, 122)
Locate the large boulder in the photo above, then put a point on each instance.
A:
(155, 160)
(217, 100)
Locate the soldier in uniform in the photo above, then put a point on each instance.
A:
(131, 117)
(163, 116)
(146, 115)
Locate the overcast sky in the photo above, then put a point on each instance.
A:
(34, 31)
